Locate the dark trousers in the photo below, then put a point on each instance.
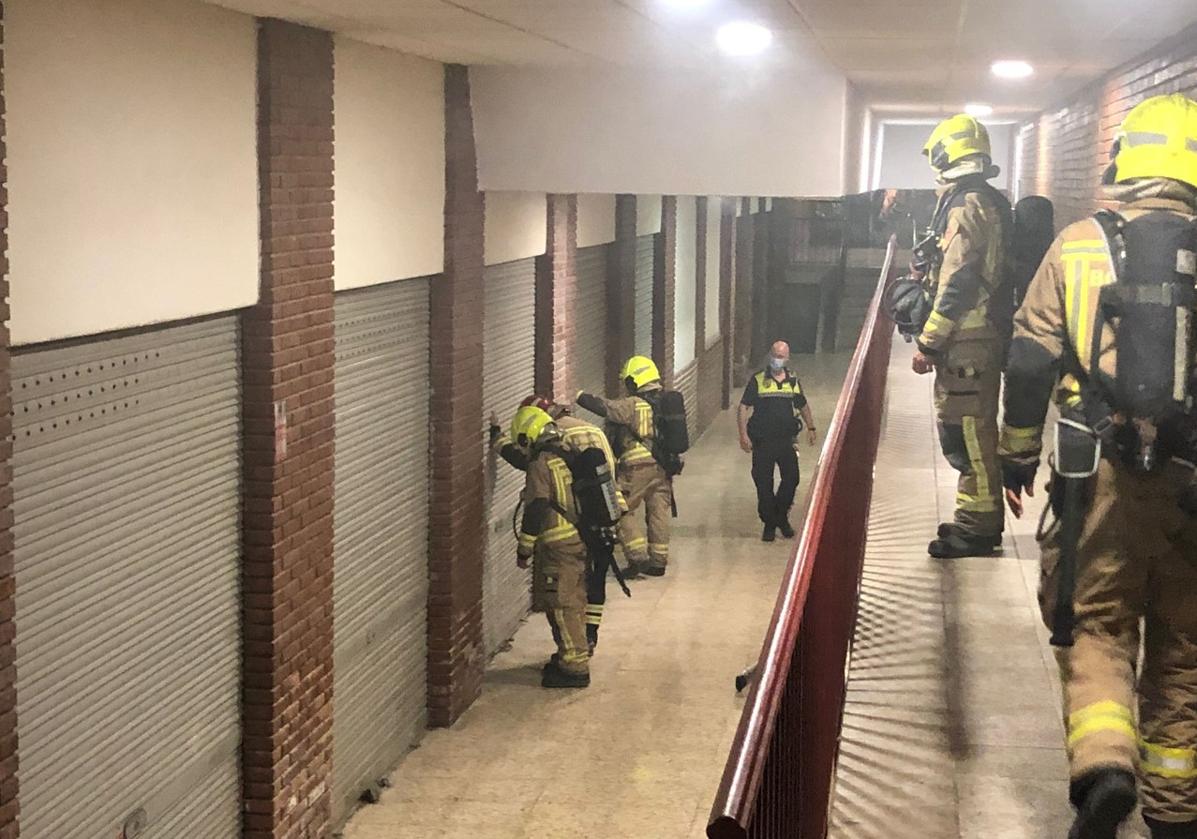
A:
(773, 505)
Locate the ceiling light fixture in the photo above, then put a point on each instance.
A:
(685, 4)
(1008, 69)
(978, 110)
(743, 37)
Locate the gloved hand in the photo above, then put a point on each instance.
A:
(495, 428)
(1018, 475)
(522, 561)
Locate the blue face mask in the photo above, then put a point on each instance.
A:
(777, 363)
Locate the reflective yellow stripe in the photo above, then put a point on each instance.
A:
(975, 503)
(574, 652)
(937, 324)
(635, 544)
(1168, 762)
(658, 548)
(527, 542)
(976, 457)
(1021, 440)
(644, 419)
(1098, 717)
(1085, 246)
(976, 318)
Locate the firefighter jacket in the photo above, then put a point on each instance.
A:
(972, 235)
(1053, 331)
(550, 510)
(629, 425)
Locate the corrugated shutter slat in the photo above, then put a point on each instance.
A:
(645, 261)
(590, 333)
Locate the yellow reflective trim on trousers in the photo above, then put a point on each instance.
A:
(635, 544)
(1168, 762)
(594, 614)
(573, 653)
(658, 547)
(976, 457)
(975, 503)
(1104, 716)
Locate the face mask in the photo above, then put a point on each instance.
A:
(778, 363)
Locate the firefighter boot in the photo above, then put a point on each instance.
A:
(1103, 799)
(959, 545)
(950, 528)
(554, 677)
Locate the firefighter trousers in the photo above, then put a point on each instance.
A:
(647, 484)
(967, 393)
(1136, 565)
(559, 590)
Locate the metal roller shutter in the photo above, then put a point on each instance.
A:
(126, 500)
(380, 520)
(686, 381)
(646, 248)
(508, 354)
(591, 323)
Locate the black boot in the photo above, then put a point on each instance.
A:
(951, 528)
(769, 533)
(1171, 830)
(592, 636)
(787, 532)
(1103, 799)
(633, 571)
(554, 677)
(958, 545)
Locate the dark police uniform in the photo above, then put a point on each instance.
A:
(772, 429)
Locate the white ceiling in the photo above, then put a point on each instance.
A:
(908, 56)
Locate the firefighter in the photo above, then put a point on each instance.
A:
(573, 431)
(642, 480)
(778, 410)
(962, 341)
(1106, 330)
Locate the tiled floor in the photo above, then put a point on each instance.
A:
(952, 728)
(640, 752)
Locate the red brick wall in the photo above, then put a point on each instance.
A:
(287, 364)
(456, 654)
(710, 384)
(663, 288)
(1066, 150)
(621, 284)
(727, 294)
(745, 251)
(760, 281)
(556, 300)
(9, 805)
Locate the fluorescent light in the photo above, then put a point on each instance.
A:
(1008, 69)
(978, 110)
(743, 37)
(685, 4)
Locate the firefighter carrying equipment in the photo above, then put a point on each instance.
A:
(639, 372)
(1158, 139)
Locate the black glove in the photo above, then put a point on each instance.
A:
(1019, 475)
(495, 431)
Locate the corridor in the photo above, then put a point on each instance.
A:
(640, 752)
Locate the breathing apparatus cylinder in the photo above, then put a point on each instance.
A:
(594, 489)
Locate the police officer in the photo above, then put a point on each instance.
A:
(769, 426)
(573, 431)
(642, 480)
(1125, 550)
(549, 533)
(962, 340)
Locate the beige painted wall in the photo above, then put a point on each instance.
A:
(390, 165)
(684, 283)
(132, 163)
(516, 226)
(596, 220)
(714, 218)
(648, 214)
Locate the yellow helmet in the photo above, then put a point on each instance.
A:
(528, 424)
(955, 139)
(1158, 139)
(639, 371)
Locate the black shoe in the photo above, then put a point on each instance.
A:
(1103, 799)
(555, 677)
(654, 570)
(957, 546)
(1171, 830)
(787, 532)
(769, 533)
(633, 571)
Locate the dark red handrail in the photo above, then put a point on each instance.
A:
(777, 782)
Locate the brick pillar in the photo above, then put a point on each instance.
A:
(727, 293)
(664, 268)
(760, 283)
(287, 385)
(455, 646)
(621, 292)
(745, 241)
(9, 803)
(700, 278)
(556, 300)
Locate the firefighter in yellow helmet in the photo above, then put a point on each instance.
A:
(552, 533)
(642, 479)
(1106, 331)
(962, 263)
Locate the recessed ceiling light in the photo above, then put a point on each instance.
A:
(976, 109)
(743, 37)
(1011, 69)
